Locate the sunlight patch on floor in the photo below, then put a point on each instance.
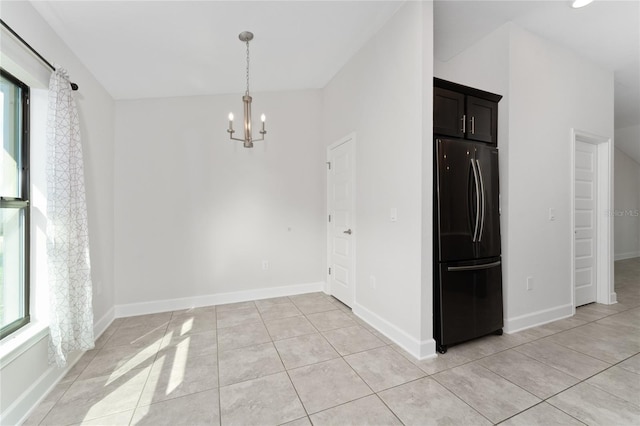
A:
(137, 361)
(179, 365)
(186, 326)
(117, 392)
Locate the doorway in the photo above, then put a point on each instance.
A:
(341, 230)
(585, 226)
(591, 224)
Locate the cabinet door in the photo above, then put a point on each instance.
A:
(482, 120)
(448, 110)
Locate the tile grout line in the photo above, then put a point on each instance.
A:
(569, 387)
(77, 377)
(542, 400)
(376, 393)
(426, 374)
(135, 408)
(351, 368)
(513, 347)
(574, 328)
(319, 362)
(461, 399)
(540, 403)
(320, 333)
(285, 367)
(218, 371)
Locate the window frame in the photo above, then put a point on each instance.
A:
(22, 202)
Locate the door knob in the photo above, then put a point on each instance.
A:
(348, 231)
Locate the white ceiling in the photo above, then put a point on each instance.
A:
(606, 32)
(140, 49)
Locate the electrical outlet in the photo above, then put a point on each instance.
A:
(265, 265)
(529, 283)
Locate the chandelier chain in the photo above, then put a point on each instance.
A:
(247, 93)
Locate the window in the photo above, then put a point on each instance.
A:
(14, 204)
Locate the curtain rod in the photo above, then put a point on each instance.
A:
(74, 86)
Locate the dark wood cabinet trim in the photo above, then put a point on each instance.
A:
(471, 91)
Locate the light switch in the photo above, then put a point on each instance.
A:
(394, 215)
(552, 214)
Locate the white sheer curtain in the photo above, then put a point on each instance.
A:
(70, 289)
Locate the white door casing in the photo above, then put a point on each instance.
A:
(585, 224)
(341, 230)
(583, 146)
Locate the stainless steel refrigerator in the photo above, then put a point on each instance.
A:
(468, 273)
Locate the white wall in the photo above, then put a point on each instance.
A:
(551, 91)
(196, 214)
(268, 203)
(27, 377)
(628, 141)
(627, 206)
(379, 96)
(627, 192)
(426, 288)
(547, 91)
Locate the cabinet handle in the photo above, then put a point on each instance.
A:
(464, 123)
(473, 125)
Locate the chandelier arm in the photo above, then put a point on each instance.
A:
(236, 139)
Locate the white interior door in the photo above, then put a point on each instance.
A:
(341, 232)
(585, 220)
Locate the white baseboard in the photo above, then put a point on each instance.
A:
(101, 325)
(624, 256)
(23, 406)
(144, 308)
(419, 349)
(535, 319)
(18, 412)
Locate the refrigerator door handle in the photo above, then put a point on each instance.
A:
(477, 184)
(483, 200)
(474, 267)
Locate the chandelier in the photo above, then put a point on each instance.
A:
(248, 140)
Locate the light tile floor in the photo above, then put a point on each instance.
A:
(308, 360)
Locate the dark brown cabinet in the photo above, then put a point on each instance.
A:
(464, 112)
(467, 289)
(448, 113)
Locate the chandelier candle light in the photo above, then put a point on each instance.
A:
(246, 37)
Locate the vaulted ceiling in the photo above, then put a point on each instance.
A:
(605, 32)
(140, 49)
